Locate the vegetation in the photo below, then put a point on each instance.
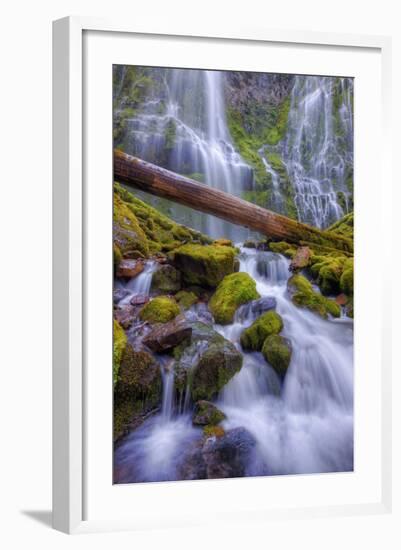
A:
(160, 310)
(303, 295)
(235, 290)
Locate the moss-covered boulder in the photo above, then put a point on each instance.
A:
(283, 248)
(277, 352)
(128, 236)
(166, 280)
(206, 413)
(138, 389)
(160, 310)
(327, 271)
(186, 299)
(269, 323)
(234, 291)
(207, 364)
(119, 343)
(347, 277)
(303, 295)
(203, 265)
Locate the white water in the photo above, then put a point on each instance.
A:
(304, 425)
(315, 155)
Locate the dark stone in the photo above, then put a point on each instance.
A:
(207, 413)
(256, 307)
(166, 280)
(228, 456)
(168, 335)
(119, 294)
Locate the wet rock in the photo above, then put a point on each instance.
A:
(166, 280)
(235, 290)
(301, 259)
(127, 269)
(341, 299)
(253, 337)
(228, 456)
(206, 413)
(256, 307)
(119, 294)
(277, 351)
(200, 313)
(223, 242)
(249, 244)
(160, 310)
(207, 364)
(186, 299)
(168, 335)
(139, 300)
(303, 295)
(125, 316)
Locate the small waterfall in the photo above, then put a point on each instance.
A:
(317, 150)
(139, 285)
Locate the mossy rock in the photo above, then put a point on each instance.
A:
(213, 431)
(327, 270)
(269, 323)
(234, 291)
(204, 265)
(160, 310)
(206, 413)
(127, 234)
(303, 295)
(283, 248)
(207, 364)
(347, 278)
(223, 242)
(138, 389)
(186, 299)
(277, 352)
(119, 343)
(344, 226)
(117, 257)
(166, 280)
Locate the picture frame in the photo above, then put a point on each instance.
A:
(70, 261)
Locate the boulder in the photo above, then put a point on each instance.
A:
(207, 364)
(303, 295)
(229, 455)
(256, 307)
(269, 323)
(166, 280)
(119, 294)
(301, 259)
(127, 269)
(160, 310)
(277, 352)
(206, 413)
(186, 299)
(347, 277)
(125, 316)
(204, 265)
(139, 300)
(235, 290)
(165, 336)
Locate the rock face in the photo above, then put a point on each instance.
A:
(301, 259)
(127, 269)
(204, 265)
(160, 310)
(138, 387)
(277, 351)
(206, 413)
(168, 335)
(235, 290)
(269, 323)
(207, 364)
(166, 280)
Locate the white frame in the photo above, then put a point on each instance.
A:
(68, 227)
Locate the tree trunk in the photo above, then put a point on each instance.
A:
(163, 183)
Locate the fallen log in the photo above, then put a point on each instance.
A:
(163, 183)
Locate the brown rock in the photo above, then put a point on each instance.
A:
(301, 259)
(125, 316)
(139, 300)
(127, 269)
(341, 299)
(168, 335)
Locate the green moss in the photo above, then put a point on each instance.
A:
(204, 265)
(117, 256)
(186, 299)
(303, 295)
(232, 292)
(213, 431)
(347, 278)
(344, 226)
(119, 343)
(267, 324)
(327, 271)
(283, 248)
(127, 233)
(277, 352)
(207, 414)
(160, 310)
(166, 280)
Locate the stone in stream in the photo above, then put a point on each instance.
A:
(166, 280)
(125, 316)
(139, 300)
(168, 335)
(256, 307)
(277, 351)
(127, 269)
(206, 413)
(301, 259)
(119, 294)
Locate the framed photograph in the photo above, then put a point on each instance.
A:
(220, 330)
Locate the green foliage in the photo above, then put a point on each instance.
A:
(277, 352)
(232, 292)
(119, 343)
(160, 310)
(303, 295)
(269, 323)
(204, 265)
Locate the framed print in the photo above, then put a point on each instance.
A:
(217, 341)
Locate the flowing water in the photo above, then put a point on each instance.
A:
(301, 425)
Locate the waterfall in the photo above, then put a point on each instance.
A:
(316, 152)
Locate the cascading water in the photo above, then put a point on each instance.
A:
(317, 149)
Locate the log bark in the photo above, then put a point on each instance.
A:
(163, 183)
